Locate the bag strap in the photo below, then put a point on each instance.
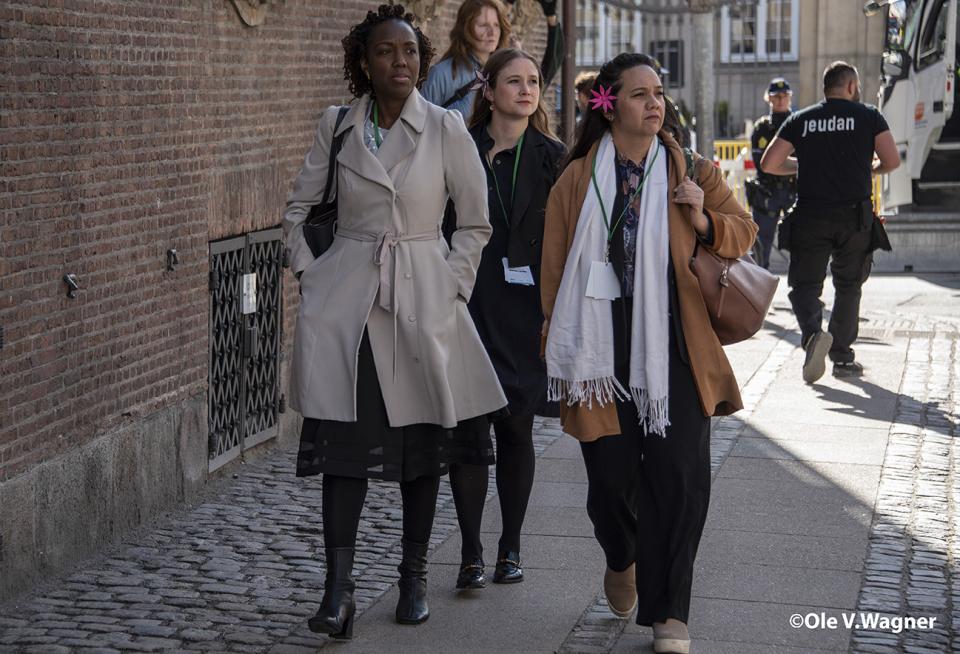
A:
(688, 156)
(335, 146)
(459, 94)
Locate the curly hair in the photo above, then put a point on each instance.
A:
(355, 47)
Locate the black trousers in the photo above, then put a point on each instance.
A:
(648, 496)
(768, 216)
(842, 237)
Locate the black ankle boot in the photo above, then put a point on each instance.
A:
(335, 615)
(412, 606)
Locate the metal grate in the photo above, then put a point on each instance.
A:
(244, 349)
(261, 373)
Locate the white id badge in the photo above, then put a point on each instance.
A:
(522, 275)
(603, 283)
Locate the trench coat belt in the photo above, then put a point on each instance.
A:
(386, 262)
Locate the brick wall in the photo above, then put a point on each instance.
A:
(128, 127)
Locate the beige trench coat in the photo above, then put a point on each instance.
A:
(390, 269)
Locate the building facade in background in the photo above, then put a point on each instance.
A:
(754, 40)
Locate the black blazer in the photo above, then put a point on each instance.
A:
(540, 160)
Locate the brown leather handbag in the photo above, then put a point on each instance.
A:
(738, 293)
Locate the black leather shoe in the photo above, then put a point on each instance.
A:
(471, 575)
(412, 604)
(508, 570)
(337, 609)
(849, 369)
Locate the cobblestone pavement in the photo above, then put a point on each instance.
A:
(912, 564)
(597, 630)
(239, 573)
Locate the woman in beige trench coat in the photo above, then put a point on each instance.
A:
(386, 358)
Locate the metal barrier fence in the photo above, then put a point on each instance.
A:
(735, 161)
(729, 150)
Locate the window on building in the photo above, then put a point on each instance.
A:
(605, 30)
(621, 31)
(670, 55)
(759, 30)
(743, 30)
(589, 44)
(779, 19)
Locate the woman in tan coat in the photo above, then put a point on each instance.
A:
(386, 359)
(628, 344)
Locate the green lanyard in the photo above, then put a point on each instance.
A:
(626, 204)
(376, 125)
(496, 184)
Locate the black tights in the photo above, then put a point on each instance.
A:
(515, 467)
(343, 501)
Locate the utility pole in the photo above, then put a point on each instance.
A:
(705, 91)
(568, 72)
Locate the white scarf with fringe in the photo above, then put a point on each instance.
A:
(579, 351)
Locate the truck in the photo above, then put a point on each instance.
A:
(918, 97)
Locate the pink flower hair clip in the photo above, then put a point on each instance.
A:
(604, 99)
(482, 83)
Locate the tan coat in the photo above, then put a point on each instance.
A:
(390, 270)
(734, 232)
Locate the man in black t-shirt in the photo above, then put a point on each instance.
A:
(834, 142)
(770, 196)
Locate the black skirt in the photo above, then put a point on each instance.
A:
(370, 448)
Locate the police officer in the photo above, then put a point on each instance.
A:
(834, 142)
(770, 195)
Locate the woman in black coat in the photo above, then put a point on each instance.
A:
(521, 158)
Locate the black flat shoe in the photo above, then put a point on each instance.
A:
(508, 570)
(471, 575)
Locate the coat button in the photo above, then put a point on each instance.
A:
(412, 318)
(407, 276)
(533, 241)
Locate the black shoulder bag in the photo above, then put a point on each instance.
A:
(320, 226)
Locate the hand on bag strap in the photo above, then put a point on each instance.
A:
(691, 158)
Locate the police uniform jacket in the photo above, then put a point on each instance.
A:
(764, 129)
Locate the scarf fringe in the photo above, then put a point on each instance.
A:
(604, 389)
(653, 413)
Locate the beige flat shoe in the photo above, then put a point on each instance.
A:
(621, 591)
(671, 637)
